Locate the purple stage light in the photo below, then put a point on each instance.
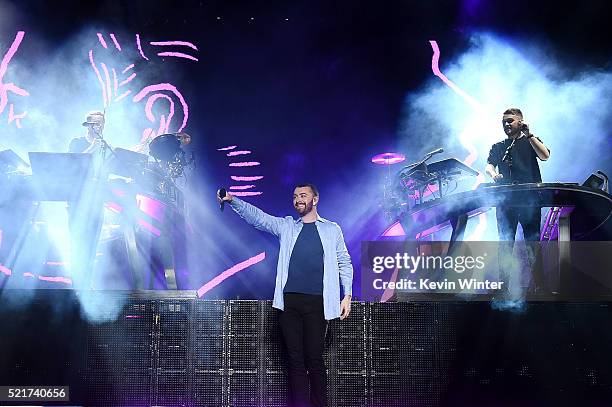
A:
(230, 272)
(388, 158)
(241, 187)
(226, 148)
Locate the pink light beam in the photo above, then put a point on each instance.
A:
(230, 272)
(226, 148)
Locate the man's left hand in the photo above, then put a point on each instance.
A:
(345, 307)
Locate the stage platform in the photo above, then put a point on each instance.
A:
(173, 349)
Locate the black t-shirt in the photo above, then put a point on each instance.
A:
(306, 263)
(524, 161)
(78, 145)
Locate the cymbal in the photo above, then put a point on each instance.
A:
(388, 158)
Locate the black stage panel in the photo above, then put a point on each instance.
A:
(156, 349)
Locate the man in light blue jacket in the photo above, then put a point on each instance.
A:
(312, 264)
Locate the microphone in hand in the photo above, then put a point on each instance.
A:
(222, 195)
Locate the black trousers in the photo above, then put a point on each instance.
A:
(508, 219)
(303, 326)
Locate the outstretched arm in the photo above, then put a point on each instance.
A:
(253, 215)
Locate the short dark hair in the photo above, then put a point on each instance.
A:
(313, 188)
(515, 111)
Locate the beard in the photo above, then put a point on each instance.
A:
(303, 210)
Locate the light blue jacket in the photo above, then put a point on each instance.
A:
(336, 259)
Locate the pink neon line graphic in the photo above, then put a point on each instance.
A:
(116, 42)
(245, 164)
(240, 152)
(16, 117)
(226, 148)
(101, 39)
(140, 47)
(28, 274)
(133, 316)
(108, 82)
(164, 43)
(127, 68)
(436, 70)
(11, 87)
(55, 263)
(237, 193)
(177, 54)
(162, 87)
(115, 80)
(163, 123)
(240, 178)
(122, 95)
(128, 80)
(63, 280)
(230, 272)
(5, 270)
(95, 68)
(242, 187)
(5, 61)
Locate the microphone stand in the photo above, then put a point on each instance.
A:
(507, 158)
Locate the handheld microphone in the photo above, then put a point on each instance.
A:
(222, 193)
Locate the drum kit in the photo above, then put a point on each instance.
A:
(160, 174)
